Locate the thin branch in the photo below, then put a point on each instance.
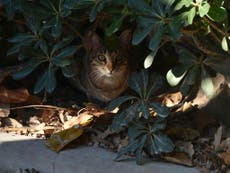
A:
(73, 29)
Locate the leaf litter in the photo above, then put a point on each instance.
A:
(199, 141)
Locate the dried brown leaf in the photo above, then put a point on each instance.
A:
(10, 122)
(13, 96)
(186, 147)
(226, 157)
(178, 158)
(172, 99)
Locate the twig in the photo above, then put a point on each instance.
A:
(73, 29)
(38, 107)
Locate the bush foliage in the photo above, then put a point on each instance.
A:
(46, 34)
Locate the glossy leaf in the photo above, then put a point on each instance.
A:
(125, 117)
(21, 37)
(156, 38)
(203, 9)
(114, 26)
(144, 109)
(139, 150)
(119, 101)
(50, 79)
(191, 14)
(129, 148)
(40, 84)
(29, 67)
(217, 13)
(163, 143)
(160, 109)
(67, 71)
(66, 52)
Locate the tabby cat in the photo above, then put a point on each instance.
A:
(104, 73)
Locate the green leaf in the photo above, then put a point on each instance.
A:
(207, 84)
(144, 108)
(142, 7)
(224, 44)
(203, 9)
(61, 44)
(185, 3)
(21, 37)
(119, 101)
(217, 13)
(29, 67)
(142, 31)
(163, 143)
(158, 125)
(115, 26)
(67, 71)
(43, 46)
(191, 14)
(126, 116)
(62, 62)
(98, 7)
(156, 38)
(219, 64)
(41, 82)
(135, 83)
(139, 150)
(160, 109)
(50, 82)
(67, 52)
(155, 83)
(131, 147)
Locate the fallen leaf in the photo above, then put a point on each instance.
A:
(172, 99)
(226, 158)
(10, 122)
(186, 147)
(178, 158)
(217, 138)
(225, 143)
(82, 119)
(13, 96)
(59, 140)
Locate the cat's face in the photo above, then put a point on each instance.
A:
(105, 63)
(109, 63)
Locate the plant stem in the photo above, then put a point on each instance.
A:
(73, 29)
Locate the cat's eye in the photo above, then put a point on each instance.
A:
(101, 58)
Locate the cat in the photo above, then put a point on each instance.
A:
(103, 74)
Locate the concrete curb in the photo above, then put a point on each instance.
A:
(27, 152)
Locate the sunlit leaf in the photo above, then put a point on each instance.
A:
(207, 84)
(224, 44)
(59, 140)
(149, 59)
(172, 79)
(203, 9)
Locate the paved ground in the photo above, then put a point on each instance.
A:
(26, 152)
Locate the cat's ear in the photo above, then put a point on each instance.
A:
(92, 41)
(125, 38)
